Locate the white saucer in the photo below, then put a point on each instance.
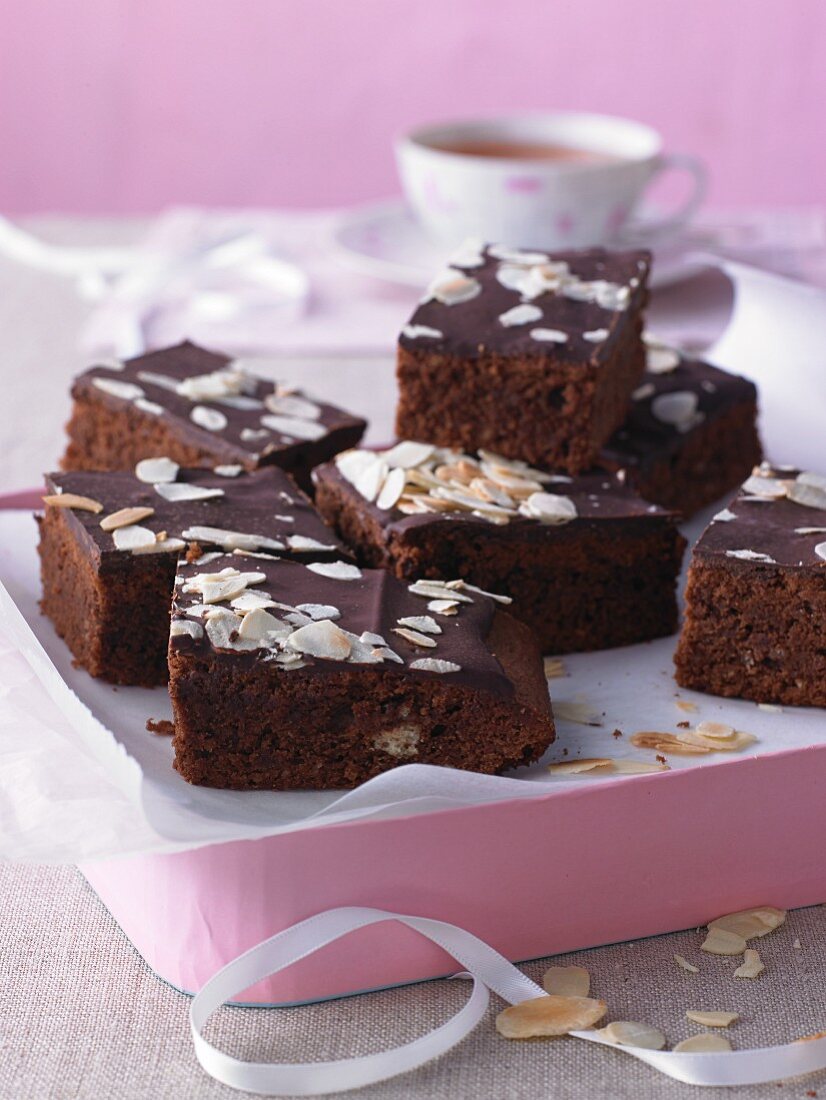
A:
(383, 240)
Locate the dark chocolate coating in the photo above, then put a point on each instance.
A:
(372, 603)
(250, 504)
(187, 360)
(471, 329)
(644, 439)
(766, 527)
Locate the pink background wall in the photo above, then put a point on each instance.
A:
(127, 105)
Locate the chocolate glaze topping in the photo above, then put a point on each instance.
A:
(243, 437)
(473, 328)
(262, 502)
(780, 529)
(644, 437)
(373, 602)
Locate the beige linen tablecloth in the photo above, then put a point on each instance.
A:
(83, 1018)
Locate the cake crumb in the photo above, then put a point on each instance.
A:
(660, 758)
(683, 725)
(617, 733)
(161, 726)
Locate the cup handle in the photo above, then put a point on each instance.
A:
(656, 229)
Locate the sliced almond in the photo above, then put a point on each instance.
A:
(338, 570)
(72, 500)
(686, 705)
(750, 923)
(152, 471)
(628, 1033)
(713, 1019)
(718, 731)
(752, 966)
(574, 767)
(433, 664)
(637, 767)
(414, 637)
(548, 1016)
(581, 713)
(702, 1044)
(391, 490)
(133, 537)
(720, 942)
(684, 964)
(124, 517)
(443, 607)
(322, 639)
(666, 742)
(423, 623)
(567, 981)
(554, 668)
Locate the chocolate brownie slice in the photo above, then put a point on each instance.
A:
(109, 543)
(287, 676)
(690, 435)
(523, 353)
(755, 624)
(587, 563)
(201, 409)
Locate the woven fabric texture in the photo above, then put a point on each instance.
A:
(83, 1018)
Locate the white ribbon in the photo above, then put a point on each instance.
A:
(487, 969)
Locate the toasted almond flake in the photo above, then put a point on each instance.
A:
(72, 500)
(467, 587)
(408, 454)
(549, 335)
(222, 629)
(303, 543)
(443, 607)
(284, 404)
(152, 471)
(451, 287)
(391, 490)
(319, 610)
(678, 408)
(684, 964)
(132, 536)
(176, 491)
(628, 1033)
(581, 713)
(721, 942)
(336, 570)
(125, 517)
(554, 668)
(231, 540)
(414, 637)
(163, 381)
(705, 1043)
(437, 590)
(549, 508)
(752, 966)
(596, 335)
(251, 601)
(712, 1019)
(575, 767)
(725, 516)
(520, 315)
(548, 1016)
(646, 390)
(161, 546)
(423, 623)
(257, 623)
(115, 388)
(371, 478)
(719, 731)
(686, 705)
(294, 427)
(739, 740)
(760, 485)
(253, 435)
(810, 530)
(750, 555)
(211, 419)
(150, 407)
(179, 627)
(232, 470)
(434, 664)
(321, 639)
(420, 332)
(660, 359)
(751, 923)
(809, 495)
(666, 742)
(820, 550)
(567, 981)
(637, 767)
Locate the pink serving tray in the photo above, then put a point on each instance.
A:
(577, 868)
(569, 869)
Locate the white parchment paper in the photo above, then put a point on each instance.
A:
(81, 777)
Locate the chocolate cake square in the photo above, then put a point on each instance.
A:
(531, 355)
(587, 562)
(755, 620)
(110, 541)
(202, 410)
(690, 435)
(287, 676)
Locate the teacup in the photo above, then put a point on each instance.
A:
(565, 179)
